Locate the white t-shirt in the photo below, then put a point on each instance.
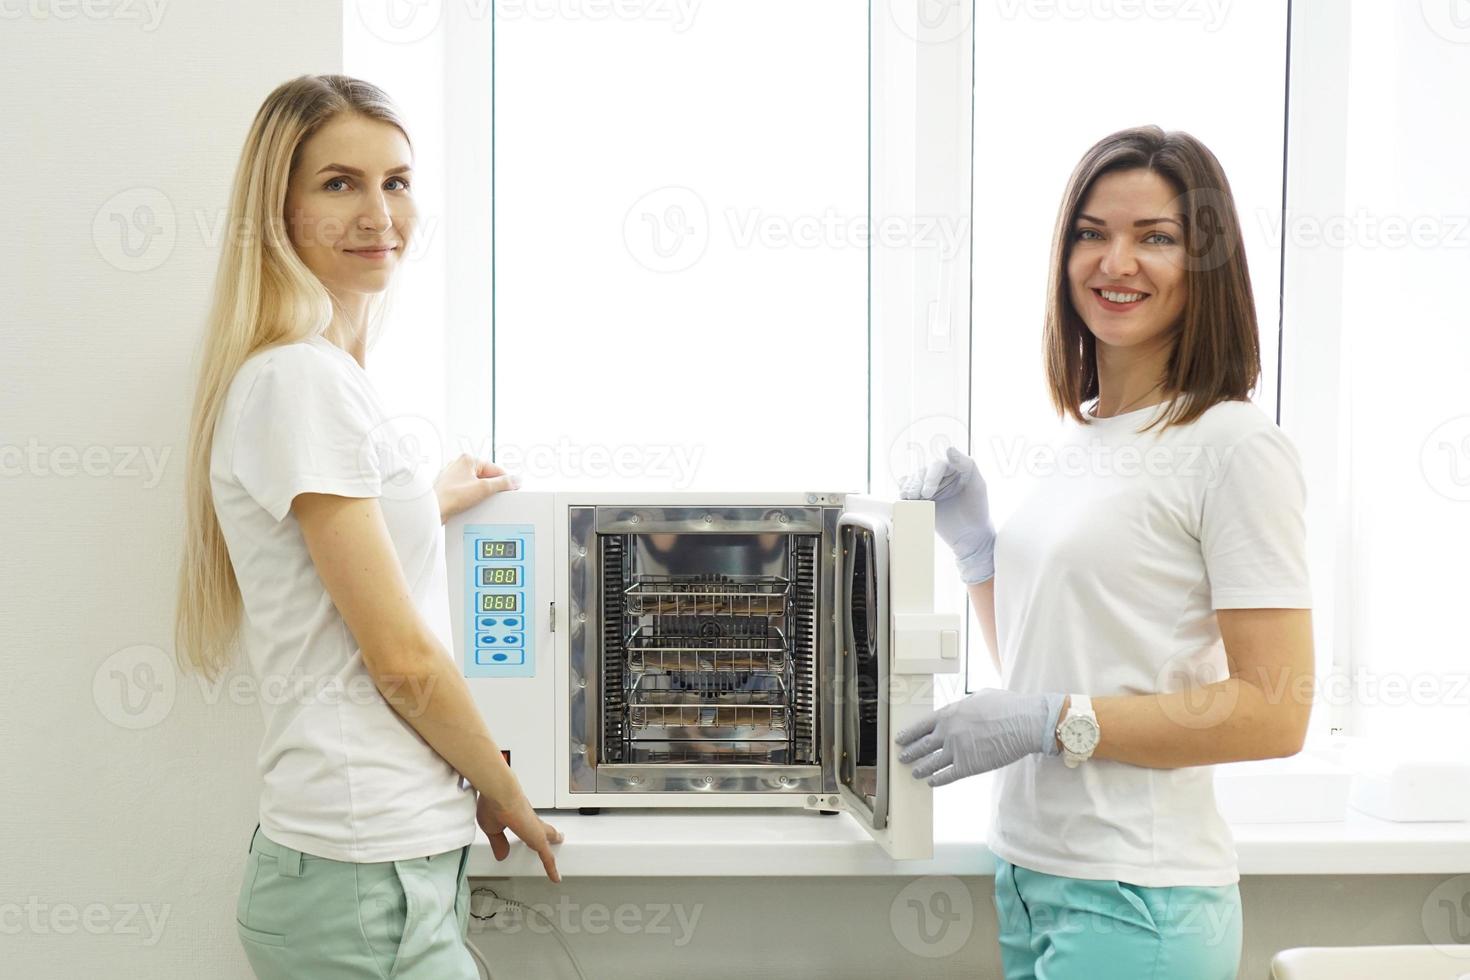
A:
(1107, 578)
(344, 776)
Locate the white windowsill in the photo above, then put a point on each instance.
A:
(715, 843)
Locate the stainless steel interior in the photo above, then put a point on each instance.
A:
(706, 651)
(700, 644)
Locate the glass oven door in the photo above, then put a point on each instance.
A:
(891, 643)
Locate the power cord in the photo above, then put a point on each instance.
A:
(484, 900)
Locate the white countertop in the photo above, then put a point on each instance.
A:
(757, 842)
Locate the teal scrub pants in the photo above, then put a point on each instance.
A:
(302, 917)
(1055, 928)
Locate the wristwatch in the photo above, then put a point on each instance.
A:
(1078, 732)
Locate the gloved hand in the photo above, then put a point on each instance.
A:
(961, 511)
(987, 730)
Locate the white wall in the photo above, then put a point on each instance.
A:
(103, 116)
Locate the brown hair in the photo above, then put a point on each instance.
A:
(1216, 351)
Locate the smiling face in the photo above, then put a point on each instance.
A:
(1126, 271)
(349, 210)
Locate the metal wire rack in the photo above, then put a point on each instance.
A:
(754, 718)
(724, 595)
(651, 650)
(705, 752)
(708, 665)
(703, 687)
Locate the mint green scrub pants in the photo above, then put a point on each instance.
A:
(302, 917)
(1055, 928)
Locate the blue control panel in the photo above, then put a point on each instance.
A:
(500, 598)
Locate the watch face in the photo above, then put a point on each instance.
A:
(1079, 734)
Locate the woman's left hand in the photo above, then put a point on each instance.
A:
(467, 481)
(987, 730)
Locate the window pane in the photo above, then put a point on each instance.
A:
(1049, 83)
(680, 277)
(1404, 236)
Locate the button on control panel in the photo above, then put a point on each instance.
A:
(499, 561)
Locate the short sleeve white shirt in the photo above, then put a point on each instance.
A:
(1107, 580)
(345, 777)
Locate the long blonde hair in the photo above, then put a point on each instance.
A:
(264, 296)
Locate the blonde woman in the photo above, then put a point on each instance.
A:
(1147, 603)
(311, 548)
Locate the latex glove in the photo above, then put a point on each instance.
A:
(961, 511)
(987, 730)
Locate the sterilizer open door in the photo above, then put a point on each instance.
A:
(890, 644)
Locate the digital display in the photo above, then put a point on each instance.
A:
(500, 549)
(500, 602)
(500, 575)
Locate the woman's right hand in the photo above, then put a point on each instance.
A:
(961, 511)
(467, 481)
(494, 819)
